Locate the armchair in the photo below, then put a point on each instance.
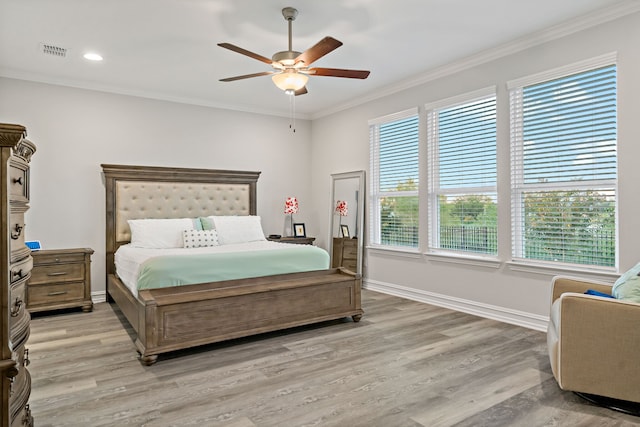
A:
(594, 342)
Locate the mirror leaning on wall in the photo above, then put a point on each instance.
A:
(347, 220)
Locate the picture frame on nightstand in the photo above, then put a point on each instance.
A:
(299, 230)
(344, 229)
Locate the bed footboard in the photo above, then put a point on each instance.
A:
(189, 316)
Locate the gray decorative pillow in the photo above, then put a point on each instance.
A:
(200, 238)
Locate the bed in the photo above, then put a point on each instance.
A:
(178, 317)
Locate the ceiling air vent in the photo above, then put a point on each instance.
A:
(49, 49)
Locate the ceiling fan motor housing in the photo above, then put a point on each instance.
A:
(286, 57)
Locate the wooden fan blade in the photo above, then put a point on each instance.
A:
(247, 76)
(245, 52)
(339, 72)
(301, 91)
(318, 50)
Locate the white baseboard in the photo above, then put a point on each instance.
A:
(99, 296)
(502, 314)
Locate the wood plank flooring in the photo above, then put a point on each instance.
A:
(405, 364)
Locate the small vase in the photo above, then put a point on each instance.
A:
(288, 226)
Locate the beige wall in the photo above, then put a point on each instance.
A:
(76, 130)
(502, 292)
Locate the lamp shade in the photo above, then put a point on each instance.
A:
(290, 80)
(291, 205)
(341, 208)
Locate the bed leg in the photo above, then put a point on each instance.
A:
(356, 317)
(148, 360)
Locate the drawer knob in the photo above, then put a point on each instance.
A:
(53, 294)
(17, 180)
(26, 357)
(15, 310)
(12, 372)
(17, 230)
(17, 274)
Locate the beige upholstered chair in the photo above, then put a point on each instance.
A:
(594, 342)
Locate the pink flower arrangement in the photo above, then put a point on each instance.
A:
(341, 208)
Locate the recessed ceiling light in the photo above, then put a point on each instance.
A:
(93, 56)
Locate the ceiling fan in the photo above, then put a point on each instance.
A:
(291, 69)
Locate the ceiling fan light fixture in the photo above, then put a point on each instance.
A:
(290, 80)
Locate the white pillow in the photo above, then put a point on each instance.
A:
(159, 233)
(238, 229)
(200, 238)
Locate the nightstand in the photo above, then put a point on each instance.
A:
(296, 240)
(60, 278)
(345, 253)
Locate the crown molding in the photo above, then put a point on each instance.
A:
(39, 78)
(589, 20)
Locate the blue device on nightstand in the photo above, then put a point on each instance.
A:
(34, 245)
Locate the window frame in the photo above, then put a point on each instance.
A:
(433, 169)
(519, 187)
(375, 193)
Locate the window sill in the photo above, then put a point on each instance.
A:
(608, 275)
(456, 258)
(395, 251)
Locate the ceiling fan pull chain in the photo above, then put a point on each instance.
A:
(292, 112)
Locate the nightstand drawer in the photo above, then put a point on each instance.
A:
(52, 294)
(56, 273)
(349, 252)
(45, 257)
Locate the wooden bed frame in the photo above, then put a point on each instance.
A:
(171, 319)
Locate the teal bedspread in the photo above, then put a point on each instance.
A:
(176, 270)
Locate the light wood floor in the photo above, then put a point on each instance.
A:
(404, 364)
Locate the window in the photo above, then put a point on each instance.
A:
(462, 169)
(394, 144)
(563, 165)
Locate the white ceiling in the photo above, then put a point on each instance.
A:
(166, 49)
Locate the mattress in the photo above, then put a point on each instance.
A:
(142, 268)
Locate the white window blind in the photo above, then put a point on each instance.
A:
(462, 164)
(564, 168)
(394, 145)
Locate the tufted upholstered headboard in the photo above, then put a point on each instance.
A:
(136, 192)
